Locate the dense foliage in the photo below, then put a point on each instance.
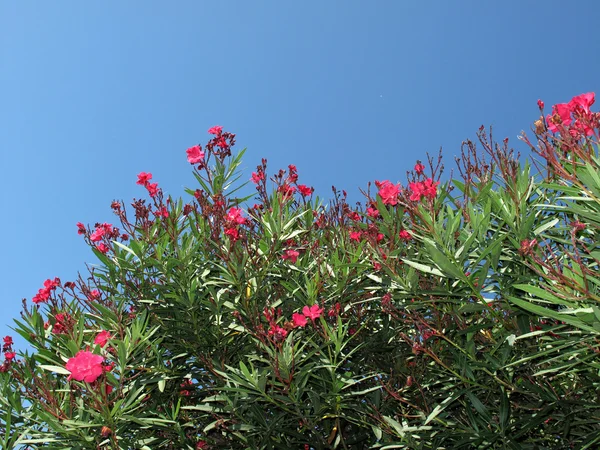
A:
(433, 315)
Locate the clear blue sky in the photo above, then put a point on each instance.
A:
(91, 93)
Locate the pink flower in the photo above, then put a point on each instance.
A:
(80, 228)
(9, 356)
(94, 295)
(217, 130)
(277, 332)
(44, 293)
(8, 341)
(233, 233)
(102, 248)
(97, 234)
(405, 235)
(85, 366)
(416, 191)
(388, 192)
(152, 189)
(299, 320)
(540, 104)
(312, 312)
(430, 188)
(144, 178)
(372, 212)
(583, 101)
(419, 168)
(162, 212)
(195, 154)
(355, 235)
(221, 142)
(257, 177)
(305, 190)
(286, 190)
(561, 115)
(102, 338)
(235, 215)
(291, 255)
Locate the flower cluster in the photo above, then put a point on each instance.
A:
(44, 293)
(104, 232)
(420, 189)
(575, 116)
(234, 219)
(63, 323)
(144, 180)
(9, 354)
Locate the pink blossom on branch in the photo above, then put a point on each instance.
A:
(102, 338)
(290, 255)
(195, 154)
(217, 130)
(144, 178)
(80, 228)
(305, 190)
(85, 366)
(388, 192)
(312, 312)
(299, 320)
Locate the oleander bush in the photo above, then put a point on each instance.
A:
(435, 314)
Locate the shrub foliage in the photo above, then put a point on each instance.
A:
(455, 314)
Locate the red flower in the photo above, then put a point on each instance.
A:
(540, 104)
(299, 320)
(85, 366)
(257, 176)
(9, 356)
(97, 234)
(80, 228)
(152, 189)
(217, 129)
(195, 154)
(286, 190)
(405, 235)
(201, 445)
(102, 248)
(162, 212)
(291, 255)
(312, 312)
(305, 190)
(372, 212)
(582, 102)
(561, 114)
(102, 338)
(8, 341)
(233, 233)
(44, 293)
(221, 142)
(94, 295)
(355, 235)
(388, 192)
(235, 215)
(63, 323)
(277, 332)
(430, 188)
(144, 178)
(419, 168)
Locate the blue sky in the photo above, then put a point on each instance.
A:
(92, 93)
